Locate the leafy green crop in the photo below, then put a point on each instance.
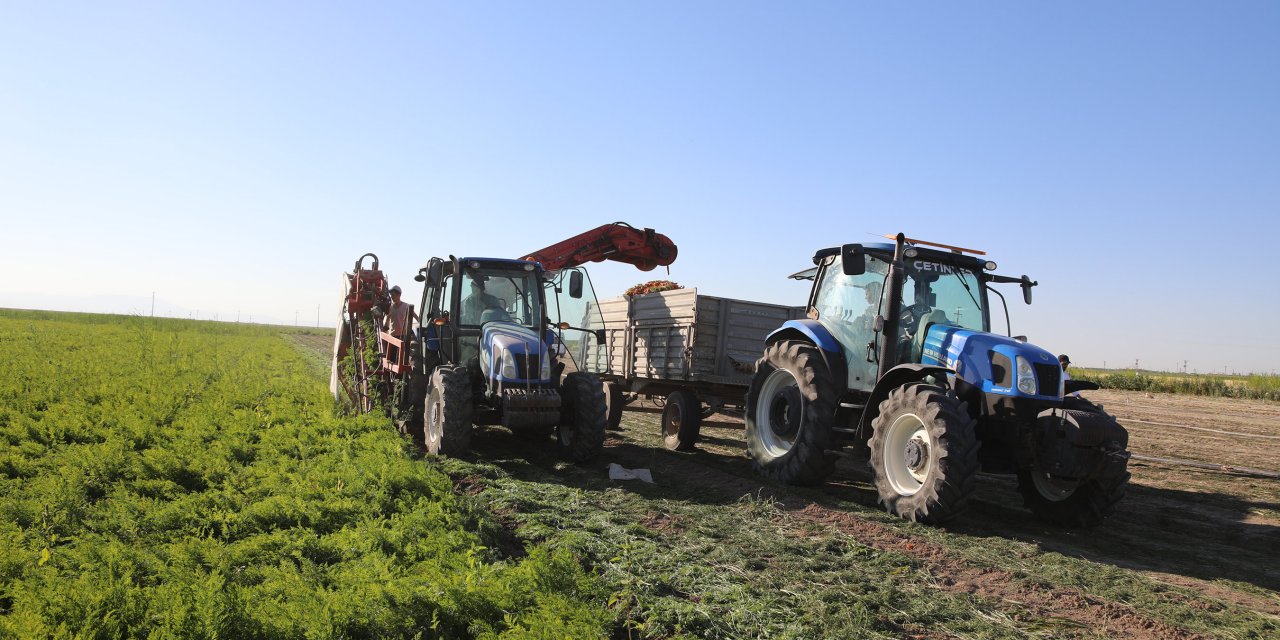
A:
(177, 479)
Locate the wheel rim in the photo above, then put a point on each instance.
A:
(779, 412)
(671, 418)
(434, 421)
(908, 458)
(1049, 489)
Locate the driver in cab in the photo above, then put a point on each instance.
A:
(480, 306)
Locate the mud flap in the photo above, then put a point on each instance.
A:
(1080, 445)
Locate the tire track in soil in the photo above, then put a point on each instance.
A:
(951, 574)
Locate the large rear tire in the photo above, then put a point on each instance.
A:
(791, 407)
(613, 402)
(447, 419)
(583, 417)
(924, 453)
(681, 420)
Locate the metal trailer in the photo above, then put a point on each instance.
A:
(690, 349)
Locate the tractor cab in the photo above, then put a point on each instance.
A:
(850, 302)
(473, 301)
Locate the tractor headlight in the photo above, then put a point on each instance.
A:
(1026, 377)
(544, 371)
(508, 365)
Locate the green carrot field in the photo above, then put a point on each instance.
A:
(177, 479)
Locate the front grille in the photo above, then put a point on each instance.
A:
(527, 366)
(1048, 376)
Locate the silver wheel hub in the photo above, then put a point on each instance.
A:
(917, 454)
(906, 461)
(779, 413)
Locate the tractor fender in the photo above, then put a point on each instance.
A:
(898, 376)
(807, 330)
(812, 332)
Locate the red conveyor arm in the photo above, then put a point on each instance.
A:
(618, 241)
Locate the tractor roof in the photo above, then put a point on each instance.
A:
(885, 251)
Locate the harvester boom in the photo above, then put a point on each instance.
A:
(618, 241)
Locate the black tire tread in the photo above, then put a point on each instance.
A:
(453, 389)
(682, 405)
(1093, 501)
(614, 402)
(946, 492)
(808, 462)
(583, 417)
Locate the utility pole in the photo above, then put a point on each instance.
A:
(153, 304)
(317, 316)
(295, 317)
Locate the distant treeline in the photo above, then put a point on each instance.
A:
(1253, 387)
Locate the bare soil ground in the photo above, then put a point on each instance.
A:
(1217, 531)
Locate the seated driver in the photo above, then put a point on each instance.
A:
(915, 318)
(475, 304)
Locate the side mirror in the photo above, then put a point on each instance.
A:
(575, 284)
(435, 272)
(851, 260)
(1027, 283)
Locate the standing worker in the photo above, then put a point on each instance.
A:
(1065, 362)
(399, 319)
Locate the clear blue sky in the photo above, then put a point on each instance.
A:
(237, 157)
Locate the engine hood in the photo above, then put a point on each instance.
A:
(988, 361)
(506, 340)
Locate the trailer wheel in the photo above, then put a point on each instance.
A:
(1070, 505)
(791, 405)
(613, 402)
(681, 420)
(447, 419)
(583, 417)
(924, 452)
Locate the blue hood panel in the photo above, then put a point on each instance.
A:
(519, 342)
(968, 353)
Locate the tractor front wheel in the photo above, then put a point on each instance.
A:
(447, 419)
(924, 453)
(681, 420)
(1070, 505)
(791, 406)
(583, 417)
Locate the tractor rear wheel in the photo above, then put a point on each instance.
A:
(613, 402)
(583, 417)
(447, 419)
(924, 453)
(791, 407)
(681, 420)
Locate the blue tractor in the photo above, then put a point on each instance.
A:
(896, 360)
(489, 353)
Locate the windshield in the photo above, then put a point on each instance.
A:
(500, 294)
(954, 291)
